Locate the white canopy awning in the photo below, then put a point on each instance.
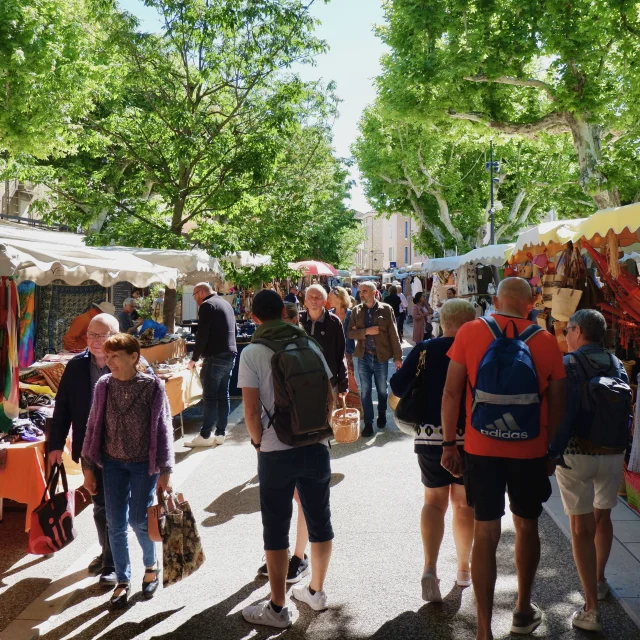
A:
(491, 255)
(450, 263)
(44, 262)
(184, 261)
(241, 259)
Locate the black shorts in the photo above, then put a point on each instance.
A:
(487, 478)
(434, 475)
(280, 472)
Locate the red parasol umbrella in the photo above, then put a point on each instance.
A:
(314, 268)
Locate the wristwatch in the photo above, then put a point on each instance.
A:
(255, 446)
(448, 443)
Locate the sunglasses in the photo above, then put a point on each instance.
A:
(566, 330)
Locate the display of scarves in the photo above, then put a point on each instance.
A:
(27, 333)
(9, 348)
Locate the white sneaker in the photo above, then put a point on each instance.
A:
(603, 590)
(587, 620)
(218, 440)
(199, 441)
(318, 601)
(431, 588)
(463, 579)
(262, 613)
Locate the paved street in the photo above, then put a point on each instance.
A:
(373, 582)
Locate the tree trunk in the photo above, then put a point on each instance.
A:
(169, 309)
(171, 295)
(443, 207)
(586, 142)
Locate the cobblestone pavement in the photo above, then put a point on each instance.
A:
(374, 577)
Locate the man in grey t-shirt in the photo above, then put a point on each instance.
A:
(282, 469)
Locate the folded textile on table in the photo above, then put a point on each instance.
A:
(26, 430)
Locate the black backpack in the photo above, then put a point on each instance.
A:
(604, 413)
(302, 392)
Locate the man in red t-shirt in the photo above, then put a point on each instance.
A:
(493, 465)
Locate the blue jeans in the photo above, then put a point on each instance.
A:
(128, 491)
(368, 367)
(215, 377)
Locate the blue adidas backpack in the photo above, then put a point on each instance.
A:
(506, 398)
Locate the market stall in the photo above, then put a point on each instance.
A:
(58, 278)
(585, 263)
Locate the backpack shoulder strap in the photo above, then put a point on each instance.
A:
(529, 332)
(585, 364)
(493, 326)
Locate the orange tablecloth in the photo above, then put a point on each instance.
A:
(23, 478)
(162, 352)
(183, 390)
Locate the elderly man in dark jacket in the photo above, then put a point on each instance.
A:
(73, 404)
(327, 330)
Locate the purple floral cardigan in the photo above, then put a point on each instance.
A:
(161, 454)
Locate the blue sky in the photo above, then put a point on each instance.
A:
(352, 62)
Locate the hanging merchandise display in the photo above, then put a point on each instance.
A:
(27, 332)
(9, 367)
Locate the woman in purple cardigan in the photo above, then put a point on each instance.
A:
(129, 435)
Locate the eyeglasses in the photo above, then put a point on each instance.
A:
(99, 336)
(566, 330)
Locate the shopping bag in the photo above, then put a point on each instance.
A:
(193, 390)
(345, 423)
(182, 552)
(564, 303)
(52, 522)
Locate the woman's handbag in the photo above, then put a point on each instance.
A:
(408, 413)
(52, 522)
(182, 552)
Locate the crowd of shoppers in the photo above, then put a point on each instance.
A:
(499, 411)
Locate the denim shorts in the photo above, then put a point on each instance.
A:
(280, 472)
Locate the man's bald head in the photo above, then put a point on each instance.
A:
(104, 321)
(514, 297)
(203, 286)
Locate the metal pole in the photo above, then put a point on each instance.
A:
(491, 211)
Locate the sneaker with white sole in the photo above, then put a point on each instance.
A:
(262, 613)
(199, 441)
(526, 623)
(431, 588)
(298, 569)
(587, 620)
(218, 440)
(603, 590)
(463, 579)
(318, 601)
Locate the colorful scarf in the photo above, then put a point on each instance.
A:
(27, 333)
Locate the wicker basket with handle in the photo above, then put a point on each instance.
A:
(346, 424)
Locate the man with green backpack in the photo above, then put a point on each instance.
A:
(288, 398)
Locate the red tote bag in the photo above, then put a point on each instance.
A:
(52, 522)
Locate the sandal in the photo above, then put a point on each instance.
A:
(120, 601)
(149, 588)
